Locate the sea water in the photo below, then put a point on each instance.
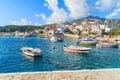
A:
(53, 56)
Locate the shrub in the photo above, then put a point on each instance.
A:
(69, 32)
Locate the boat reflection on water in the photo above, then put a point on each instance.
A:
(119, 46)
(75, 55)
(30, 58)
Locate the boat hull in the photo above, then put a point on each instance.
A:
(88, 42)
(31, 53)
(77, 50)
(61, 40)
(107, 45)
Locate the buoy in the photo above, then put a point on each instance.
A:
(53, 47)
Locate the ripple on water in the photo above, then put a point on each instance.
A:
(53, 56)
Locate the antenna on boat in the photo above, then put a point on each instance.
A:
(65, 45)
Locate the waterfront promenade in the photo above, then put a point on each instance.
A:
(107, 74)
(112, 39)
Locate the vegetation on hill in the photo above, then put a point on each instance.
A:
(13, 28)
(69, 32)
(115, 23)
(116, 32)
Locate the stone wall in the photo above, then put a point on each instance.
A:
(109, 39)
(110, 74)
(72, 35)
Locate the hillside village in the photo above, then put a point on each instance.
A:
(88, 25)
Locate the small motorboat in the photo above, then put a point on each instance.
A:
(55, 39)
(31, 51)
(77, 49)
(88, 41)
(107, 45)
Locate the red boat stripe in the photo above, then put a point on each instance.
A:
(76, 49)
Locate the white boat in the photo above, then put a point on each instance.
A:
(31, 51)
(88, 41)
(55, 39)
(77, 49)
(107, 45)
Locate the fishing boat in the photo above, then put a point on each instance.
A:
(77, 49)
(56, 39)
(88, 41)
(107, 45)
(31, 51)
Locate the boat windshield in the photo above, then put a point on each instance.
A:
(29, 50)
(36, 50)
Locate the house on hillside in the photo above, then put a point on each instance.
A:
(106, 28)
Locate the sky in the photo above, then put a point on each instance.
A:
(40, 12)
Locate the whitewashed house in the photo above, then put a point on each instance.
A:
(79, 27)
(106, 28)
(95, 29)
(60, 29)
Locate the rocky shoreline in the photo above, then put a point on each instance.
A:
(112, 39)
(101, 74)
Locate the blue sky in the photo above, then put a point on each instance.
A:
(37, 12)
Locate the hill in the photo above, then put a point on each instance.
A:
(13, 28)
(115, 23)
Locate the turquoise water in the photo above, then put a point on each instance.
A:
(53, 56)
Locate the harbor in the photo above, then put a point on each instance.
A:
(60, 40)
(53, 56)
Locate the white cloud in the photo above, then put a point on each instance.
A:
(58, 14)
(37, 15)
(118, 4)
(80, 9)
(115, 12)
(51, 4)
(23, 21)
(105, 4)
(43, 16)
(77, 8)
(37, 24)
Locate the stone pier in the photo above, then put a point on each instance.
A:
(105, 74)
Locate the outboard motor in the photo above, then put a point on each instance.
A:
(65, 45)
